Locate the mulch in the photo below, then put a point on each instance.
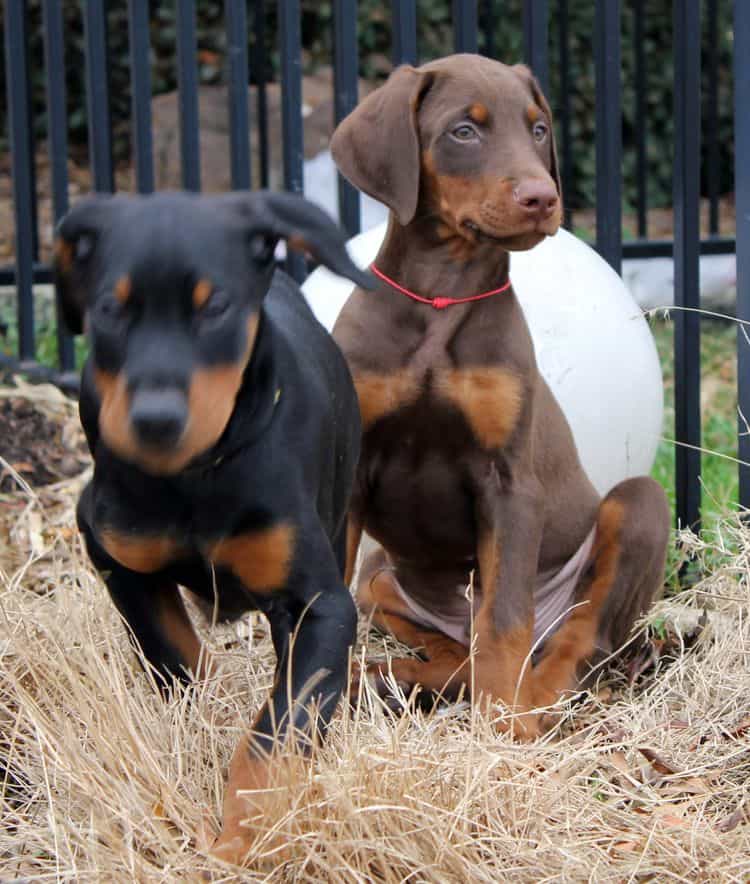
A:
(36, 445)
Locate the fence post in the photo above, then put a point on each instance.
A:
(404, 31)
(742, 208)
(19, 124)
(140, 75)
(608, 101)
(563, 112)
(465, 26)
(97, 96)
(187, 86)
(57, 143)
(346, 89)
(258, 64)
(641, 85)
(687, 114)
(235, 14)
(713, 160)
(290, 45)
(536, 39)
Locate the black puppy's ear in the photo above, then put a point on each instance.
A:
(377, 146)
(536, 90)
(303, 225)
(75, 241)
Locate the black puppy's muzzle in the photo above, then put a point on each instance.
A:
(158, 417)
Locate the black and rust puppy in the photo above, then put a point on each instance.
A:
(225, 430)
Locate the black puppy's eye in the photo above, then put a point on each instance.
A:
(464, 132)
(262, 247)
(540, 131)
(84, 246)
(216, 305)
(109, 309)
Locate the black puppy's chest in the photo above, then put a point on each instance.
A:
(149, 525)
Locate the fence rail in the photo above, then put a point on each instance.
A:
(471, 21)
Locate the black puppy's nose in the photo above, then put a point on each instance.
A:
(158, 417)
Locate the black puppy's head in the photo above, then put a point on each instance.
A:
(169, 289)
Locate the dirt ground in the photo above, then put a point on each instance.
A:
(35, 446)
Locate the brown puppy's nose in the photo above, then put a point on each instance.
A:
(538, 198)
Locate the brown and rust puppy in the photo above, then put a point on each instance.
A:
(468, 464)
(225, 431)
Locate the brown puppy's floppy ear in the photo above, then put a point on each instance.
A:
(75, 241)
(536, 90)
(270, 217)
(377, 146)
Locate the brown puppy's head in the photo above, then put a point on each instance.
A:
(465, 140)
(170, 289)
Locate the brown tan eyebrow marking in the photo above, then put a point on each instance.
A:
(533, 113)
(201, 293)
(479, 113)
(123, 288)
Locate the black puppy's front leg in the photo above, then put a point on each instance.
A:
(313, 626)
(151, 605)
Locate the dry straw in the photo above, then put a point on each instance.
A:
(107, 782)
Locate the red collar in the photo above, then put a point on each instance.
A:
(437, 303)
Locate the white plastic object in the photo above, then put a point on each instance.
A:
(592, 344)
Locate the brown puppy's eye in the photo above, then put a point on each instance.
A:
(540, 131)
(464, 132)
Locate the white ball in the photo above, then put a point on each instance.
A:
(592, 344)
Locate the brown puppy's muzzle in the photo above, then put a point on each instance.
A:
(517, 213)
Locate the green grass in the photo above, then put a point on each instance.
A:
(46, 336)
(719, 416)
(719, 478)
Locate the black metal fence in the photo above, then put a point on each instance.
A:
(470, 19)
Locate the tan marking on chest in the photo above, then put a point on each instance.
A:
(383, 394)
(144, 554)
(123, 289)
(202, 292)
(261, 559)
(490, 399)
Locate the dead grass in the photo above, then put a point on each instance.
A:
(106, 782)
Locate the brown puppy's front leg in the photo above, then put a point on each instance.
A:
(509, 526)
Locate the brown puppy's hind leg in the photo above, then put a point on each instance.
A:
(444, 668)
(624, 576)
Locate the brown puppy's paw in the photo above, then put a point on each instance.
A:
(550, 704)
(231, 848)
(523, 727)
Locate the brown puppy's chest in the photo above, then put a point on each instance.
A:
(423, 430)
